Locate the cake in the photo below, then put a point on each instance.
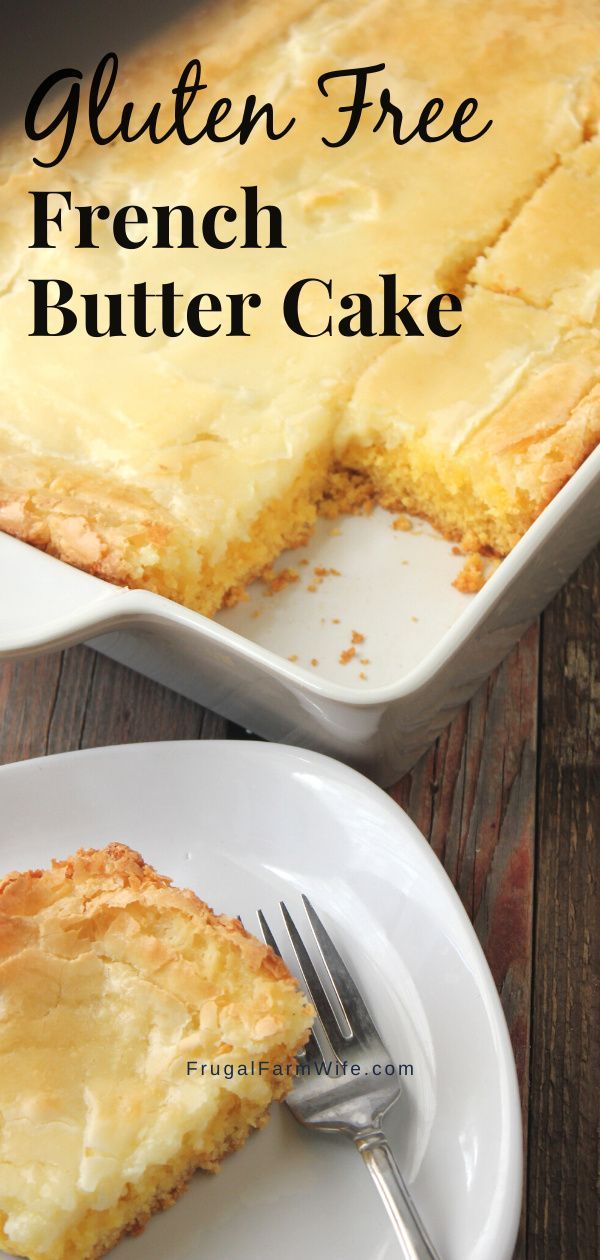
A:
(186, 465)
(115, 987)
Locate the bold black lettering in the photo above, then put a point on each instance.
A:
(217, 112)
(291, 303)
(100, 95)
(68, 111)
(237, 302)
(185, 94)
(391, 315)
(251, 213)
(41, 218)
(464, 112)
(196, 310)
(115, 327)
(362, 316)
(251, 115)
(389, 109)
(430, 111)
(209, 229)
(168, 310)
(41, 307)
(163, 227)
(86, 218)
(359, 104)
(435, 310)
(140, 297)
(122, 222)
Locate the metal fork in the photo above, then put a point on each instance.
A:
(351, 1102)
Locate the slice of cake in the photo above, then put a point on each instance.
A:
(185, 464)
(115, 989)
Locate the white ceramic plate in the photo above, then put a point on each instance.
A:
(246, 824)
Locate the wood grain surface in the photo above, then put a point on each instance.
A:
(508, 798)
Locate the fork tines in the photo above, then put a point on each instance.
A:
(359, 1025)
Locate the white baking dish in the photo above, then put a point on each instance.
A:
(428, 646)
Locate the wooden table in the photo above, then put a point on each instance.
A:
(507, 798)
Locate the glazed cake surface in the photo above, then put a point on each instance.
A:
(111, 980)
(185, 465)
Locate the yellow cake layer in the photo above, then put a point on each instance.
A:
(128, 538)
(184, 465)
(505, 439)
(111, 981)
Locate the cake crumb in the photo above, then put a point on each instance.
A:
(365, 660)
(362, 676)
(471, 577)
(402, 522)
(312, 586)
(235, 595)
(414, 618)
(335, 533)
(314, 661)
(348, 490)
(293, 657)
(456, 551)
(257, 613)
(357, 637)
(347, 655)
(277, 581)
(335, 621)
(405, 562)
(304, 561)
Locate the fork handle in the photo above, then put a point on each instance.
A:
(410, 1230)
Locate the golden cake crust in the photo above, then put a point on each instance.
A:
(103, 874)
(186, 468)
